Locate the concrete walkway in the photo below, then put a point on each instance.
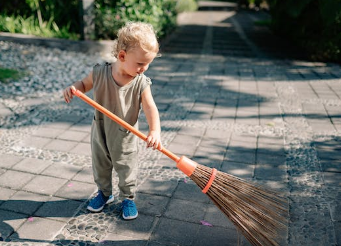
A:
(231, 96)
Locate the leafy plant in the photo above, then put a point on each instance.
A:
(47, 18)
(160, 13)
(186, 6)
(31, 26)
(313, 24)
(6, 74)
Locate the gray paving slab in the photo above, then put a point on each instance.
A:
(24, 202)
(186, 210)
(76, 190)
(32, 165)
(7, 161)
(182, 233)
(44, 230)
(10, 222)
(157, 187)
(15, 179)
(39, 185)
(62, 170)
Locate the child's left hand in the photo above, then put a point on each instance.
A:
(154, 140)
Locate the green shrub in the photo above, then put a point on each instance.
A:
(31, 26)
(160, 13)
(314, 24)
(47, 18)
(7, 74)
(186, 6)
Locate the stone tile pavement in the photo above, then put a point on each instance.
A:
(231, 95)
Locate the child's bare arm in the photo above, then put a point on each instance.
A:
(83, 85)
(153, 119)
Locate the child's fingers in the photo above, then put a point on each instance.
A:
(68, 95)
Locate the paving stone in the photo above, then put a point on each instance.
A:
(10, 222)
(216, 236)
(82, 149)
(15, 179)
(272, 160)
(59, 125)
(184, 210)
(82, 127)
(62, 170)
(121, 240)
(243, 156)
(182, 149)
(7, 161)
(271, 149)
(87, 139)
(269, 172)
(156, 187)
(331, 165)
(221, 134)
(139, 228)
(85, 175)
(60, 145)
(5, 112)
(76, 190)
(150, 204)
(182, 233)
(332, 179)
(36, 185)
(190, 131)
(338, 235)
(72, 135)
(217, 218)
(47, 132)
(47, 229)
(58, 209)
(32, 165)
(5, 194)
(24, 202)
(241, 170)
(34, 142)
(191, 192)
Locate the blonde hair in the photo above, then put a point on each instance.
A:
(136, 34)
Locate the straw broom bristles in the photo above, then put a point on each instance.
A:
(260, 214)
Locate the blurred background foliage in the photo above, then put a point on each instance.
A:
(111, 15)
(46, 18)
(315, 25)
(62, 18)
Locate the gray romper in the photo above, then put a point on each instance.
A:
(113, 146)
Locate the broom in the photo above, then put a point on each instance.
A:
(259, 213)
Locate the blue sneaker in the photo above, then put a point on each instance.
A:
(129, 210)
(97, 203)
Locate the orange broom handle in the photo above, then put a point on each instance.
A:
(119, 121)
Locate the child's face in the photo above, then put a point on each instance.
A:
(136, 61)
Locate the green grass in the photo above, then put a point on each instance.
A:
(7, 74)
(263, 23)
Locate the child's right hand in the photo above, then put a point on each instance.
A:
(68, 95)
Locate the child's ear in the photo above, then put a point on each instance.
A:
(121, 55)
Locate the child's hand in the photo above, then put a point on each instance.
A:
(67, 93)
(154, 140)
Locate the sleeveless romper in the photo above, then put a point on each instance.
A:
(113, 146)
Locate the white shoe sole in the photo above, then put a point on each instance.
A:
(130, 217)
